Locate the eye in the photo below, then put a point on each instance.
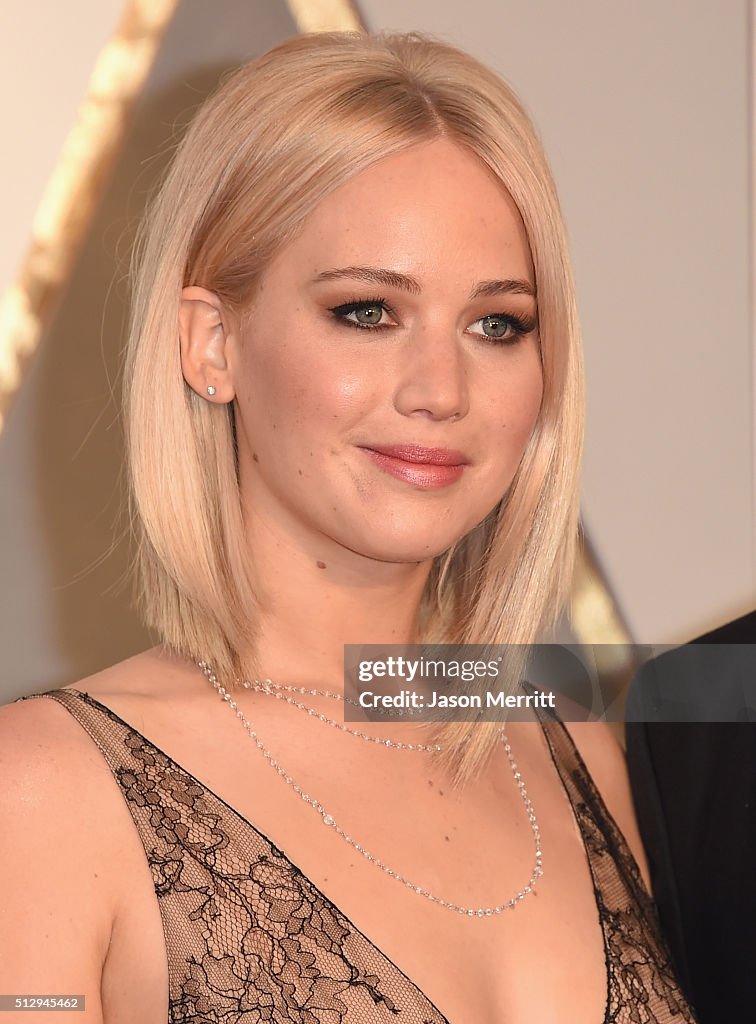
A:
(505, 328)
(368, 314)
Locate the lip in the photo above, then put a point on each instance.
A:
(426, 468)
(417, 453)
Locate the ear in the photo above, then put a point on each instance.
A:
(204, 332)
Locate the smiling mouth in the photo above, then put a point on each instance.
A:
(420, 454)
(426, 468)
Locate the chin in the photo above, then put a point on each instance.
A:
(414, 546)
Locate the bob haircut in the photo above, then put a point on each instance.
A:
(279, 135)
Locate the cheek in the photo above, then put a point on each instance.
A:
(344, 393)
(518, 401)
(297, 385)
(532, 396)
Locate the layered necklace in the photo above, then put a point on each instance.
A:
(279, 691)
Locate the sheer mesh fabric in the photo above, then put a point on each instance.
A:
(641, 985)
(249, 938)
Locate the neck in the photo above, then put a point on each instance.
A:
(316, 596)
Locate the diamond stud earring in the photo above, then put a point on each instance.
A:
(210, 389)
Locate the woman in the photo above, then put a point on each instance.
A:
(354, 416)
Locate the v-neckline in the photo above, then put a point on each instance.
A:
(86, 697)
(254, 828)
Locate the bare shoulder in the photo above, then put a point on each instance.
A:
(56, 886)
(56, 788)
(152, 683)
(67, 843)
(605, 760)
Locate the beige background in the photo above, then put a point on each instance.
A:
(645, 111)
(48, 51)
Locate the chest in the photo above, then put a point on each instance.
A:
(524, 964)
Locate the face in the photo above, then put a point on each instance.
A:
(389, 376)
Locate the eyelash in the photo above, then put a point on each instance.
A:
(521, 325)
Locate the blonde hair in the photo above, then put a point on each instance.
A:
(248, 171)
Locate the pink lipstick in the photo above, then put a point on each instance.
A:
(424, 467)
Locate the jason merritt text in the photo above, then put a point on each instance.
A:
(497, 699)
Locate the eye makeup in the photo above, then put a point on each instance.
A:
(516, 325)
(341, 313)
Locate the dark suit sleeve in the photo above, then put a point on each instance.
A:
(694, 789)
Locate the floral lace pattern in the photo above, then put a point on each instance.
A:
(251, 940)
(642, 988)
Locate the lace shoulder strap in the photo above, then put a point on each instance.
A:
(642, 984)
(248, 935)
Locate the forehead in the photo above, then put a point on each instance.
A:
(433, 210)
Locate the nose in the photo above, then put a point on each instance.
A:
(432, 375)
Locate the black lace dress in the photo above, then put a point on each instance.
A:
(251, 939)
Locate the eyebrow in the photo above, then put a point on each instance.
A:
(403, 282)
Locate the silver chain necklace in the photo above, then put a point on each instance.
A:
(267, 686)
(329, 820)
